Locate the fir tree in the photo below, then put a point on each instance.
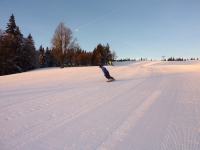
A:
(3, 54)
(29, 54)
(11, 26)
(13, 46)
(49, 58)
(31, 39)
(100, 50)
(42, 58)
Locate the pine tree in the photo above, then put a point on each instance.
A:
(3, 54)
(94, 54)
(96, 58)
(11, 26)
(101, 55)
(13, 46)
(49, 58)
(31, 39)
(29, 59)
(17, 53)
(18, 50)
(42, 58)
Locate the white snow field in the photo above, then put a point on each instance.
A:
(152, 105)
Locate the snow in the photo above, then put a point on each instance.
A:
(152, 105)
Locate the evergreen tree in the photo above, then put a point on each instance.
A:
(42, 58)
(31, 39)
(13, 45)
(11, 26)
(96, 58)
(94, 54)
(101, 55)
(3, 52)
(88, 58)
(29, 59)
(49, 58)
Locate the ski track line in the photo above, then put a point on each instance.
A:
(121, 130)
(38, 132)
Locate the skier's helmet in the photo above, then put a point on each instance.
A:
(100, 65)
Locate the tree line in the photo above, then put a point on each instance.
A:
(18, 53)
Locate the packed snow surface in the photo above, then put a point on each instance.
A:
(152, 105)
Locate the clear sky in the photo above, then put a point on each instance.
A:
(133, 28)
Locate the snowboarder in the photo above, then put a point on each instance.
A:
(106, 73)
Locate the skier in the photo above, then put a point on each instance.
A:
(106, 73)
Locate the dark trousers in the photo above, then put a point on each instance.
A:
(107, 75)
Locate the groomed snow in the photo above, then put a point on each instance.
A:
(152, 105)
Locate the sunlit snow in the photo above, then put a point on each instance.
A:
(152, 105)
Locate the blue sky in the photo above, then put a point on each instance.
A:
(133, 28)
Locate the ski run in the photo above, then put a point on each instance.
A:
(152, 105)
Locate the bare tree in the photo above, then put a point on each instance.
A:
(61, 41)
(114, 55)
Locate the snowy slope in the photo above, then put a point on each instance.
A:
(151, 106)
